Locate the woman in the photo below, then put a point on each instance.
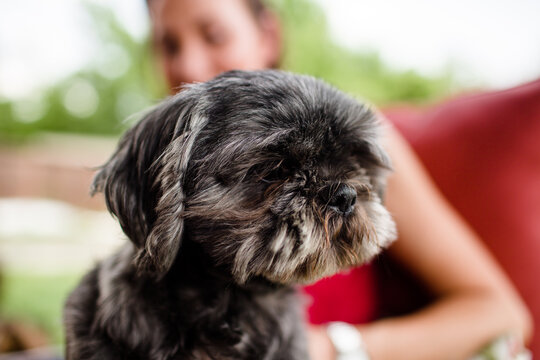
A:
(198, 39)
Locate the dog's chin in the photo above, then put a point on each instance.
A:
(315, 250)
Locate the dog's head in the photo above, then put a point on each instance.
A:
(272, 174)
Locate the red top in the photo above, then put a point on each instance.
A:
(349, 297)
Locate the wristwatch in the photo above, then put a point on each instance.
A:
(347, 341)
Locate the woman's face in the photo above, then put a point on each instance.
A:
(199, 39)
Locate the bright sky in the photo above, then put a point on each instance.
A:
(492, 42)
(495, 42)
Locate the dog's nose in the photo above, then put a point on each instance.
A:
(341, 198)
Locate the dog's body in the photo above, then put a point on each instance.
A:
(230, 192)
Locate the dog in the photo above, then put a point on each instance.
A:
(231, 192)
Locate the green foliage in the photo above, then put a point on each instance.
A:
(96, 101)
(122, 81)
(310, 50)
(38, 300)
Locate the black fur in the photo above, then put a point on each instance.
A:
(227, 193)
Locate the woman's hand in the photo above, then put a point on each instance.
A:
(319, 345)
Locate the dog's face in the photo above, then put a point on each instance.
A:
(273, 174)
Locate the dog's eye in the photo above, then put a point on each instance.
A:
(267, 174)
(222, 179)
(273, 176)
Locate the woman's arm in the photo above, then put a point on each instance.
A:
(476, 302)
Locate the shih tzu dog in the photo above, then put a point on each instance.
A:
(231, 192)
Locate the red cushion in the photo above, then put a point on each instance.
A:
(483, 151)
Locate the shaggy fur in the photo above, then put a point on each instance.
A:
(231, 192)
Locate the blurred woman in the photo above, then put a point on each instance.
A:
(196, 40)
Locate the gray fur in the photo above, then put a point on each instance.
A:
(231, 192)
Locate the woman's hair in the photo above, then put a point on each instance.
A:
(257, 7)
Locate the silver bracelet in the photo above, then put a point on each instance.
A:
(347, 341)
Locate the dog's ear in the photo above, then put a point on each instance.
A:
(380, 167)
(143, 181)
(366, 129)
(371, 154)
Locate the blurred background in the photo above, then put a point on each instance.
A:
(74, 74)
